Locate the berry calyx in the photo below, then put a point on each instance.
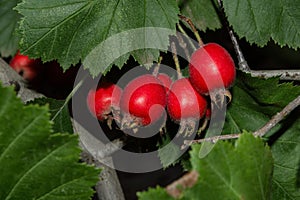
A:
(28, 68)
(211, 67)
(102, 101)
(143, 101)
(185, 105)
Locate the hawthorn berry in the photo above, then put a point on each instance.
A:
(185, 105)
(103, 100)
(28, 68)
(143, 101)
(166, 81)
(211, 67)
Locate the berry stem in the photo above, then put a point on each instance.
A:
(183, 45)
(176, 61)
(156, 68)
(188, 38)
(189, 21)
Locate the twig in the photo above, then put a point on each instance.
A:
(213, 139)
(189, 21)
(176, 61)
(289, 75)
(243, 65)
(186, 181)
(156, 68)
(260, 132)
(278, 117)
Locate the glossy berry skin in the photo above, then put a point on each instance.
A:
(101, 101)
(211, 67)
(26, 67)
(144, 99)
(166, 81)
(184, 102)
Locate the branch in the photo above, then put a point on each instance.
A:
(190, 23)
(100, 154)
(278, 117)
(8, 76)
(186, 181)
(290, 75)
(260, 132)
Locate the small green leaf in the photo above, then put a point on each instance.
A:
(59, 114)
(202, 13)
(286, 152)
(75, 30)
(280, 21)
(37, 163)
(170, 153)
(154, 193)
(232, 172)
(8, 22)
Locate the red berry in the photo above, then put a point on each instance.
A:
(211, 67)
(184, 102)
(166, 81)
(26, 67)
(143, 99)
(104, 99)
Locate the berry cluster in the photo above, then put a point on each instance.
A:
(144, 99)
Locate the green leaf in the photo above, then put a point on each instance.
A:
(71, 30)
(59, 114)
(232, 172)
(202, 13)
(255, 101)
(37, 163)
(154, 193)
(286, 152)
(8, 23)
(280, 21)
(170, 153)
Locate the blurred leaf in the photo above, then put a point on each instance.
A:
(38, 164)
(154, 193)
(8, 22)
